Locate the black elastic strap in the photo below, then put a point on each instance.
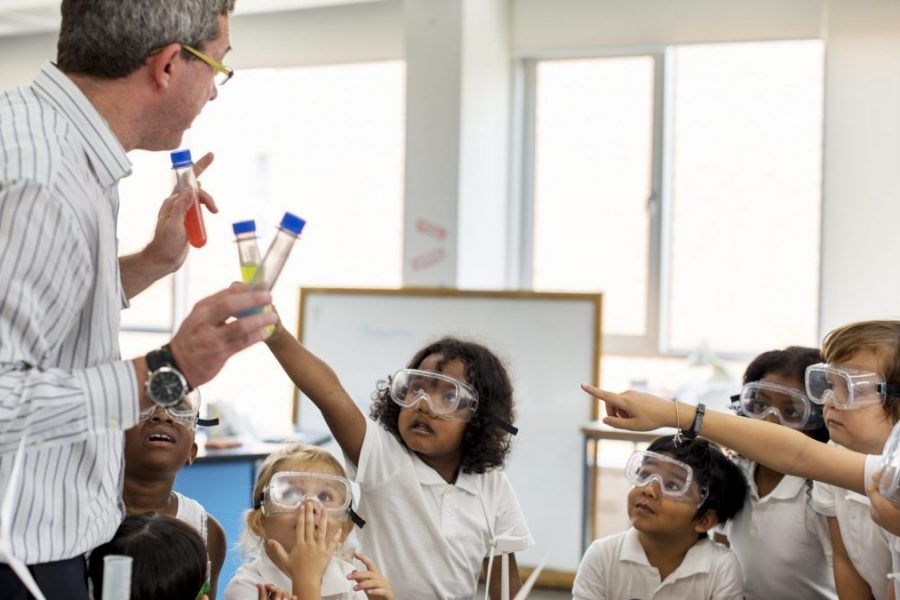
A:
(892, 389)
(208, 422)
(508, 427)
(357, 520)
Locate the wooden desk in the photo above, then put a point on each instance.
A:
(595, 432)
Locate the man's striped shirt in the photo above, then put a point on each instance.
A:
(62, 383)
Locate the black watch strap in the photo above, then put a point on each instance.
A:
(163, 357)
(694, 431)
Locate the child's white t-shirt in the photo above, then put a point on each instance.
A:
(335, 585)
(429, 537)
(616, 568)
(781, 542)
(867, 544)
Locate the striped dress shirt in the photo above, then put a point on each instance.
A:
(62, 383)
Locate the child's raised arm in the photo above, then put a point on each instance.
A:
(318, 381)
(777, 447)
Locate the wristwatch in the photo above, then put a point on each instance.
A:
(166, 386)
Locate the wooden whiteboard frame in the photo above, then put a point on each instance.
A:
(597, 300)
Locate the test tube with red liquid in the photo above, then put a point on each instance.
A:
(184, 174)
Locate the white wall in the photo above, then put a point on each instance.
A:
(862, 106)
(860, 253)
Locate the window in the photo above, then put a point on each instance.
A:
(685, 184)
(285, 139)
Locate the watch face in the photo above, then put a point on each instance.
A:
(166, 386)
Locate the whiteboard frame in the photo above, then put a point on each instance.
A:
(423, 292)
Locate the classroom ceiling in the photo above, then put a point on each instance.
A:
(22, 17)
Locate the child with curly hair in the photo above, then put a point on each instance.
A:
(429, 463)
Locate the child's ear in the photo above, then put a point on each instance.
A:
(193, 453)
(709, 520)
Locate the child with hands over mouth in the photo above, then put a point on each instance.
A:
(296, 536)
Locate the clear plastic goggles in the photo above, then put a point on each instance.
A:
(791, 406)
(289, 490)
(185, 413)
(846, 388)
(675, 478)
(889, 485)
(447, 397)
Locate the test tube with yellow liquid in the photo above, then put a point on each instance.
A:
(248, 249)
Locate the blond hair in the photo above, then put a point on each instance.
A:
(882, 338)
(291, 452)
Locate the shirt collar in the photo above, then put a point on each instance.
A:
(105, 152)
(428, 476)
(698, 559)
(788, 488)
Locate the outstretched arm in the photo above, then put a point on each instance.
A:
(318, 381)
(780, 448)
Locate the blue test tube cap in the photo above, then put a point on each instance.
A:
(181, 158)
(244, 227)
(292, 223)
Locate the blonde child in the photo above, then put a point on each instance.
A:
(429, 464)
(799, 558)
(297, 531)
(859, 390)
(681, 489)
(155, 450)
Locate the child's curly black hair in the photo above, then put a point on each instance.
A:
(484, 445)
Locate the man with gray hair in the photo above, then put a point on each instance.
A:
(130, 74)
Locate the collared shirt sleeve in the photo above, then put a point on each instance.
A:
(46, 270)
(590, 580)
(508, 519)
(727, 579)
(823, 499)
(380, 457)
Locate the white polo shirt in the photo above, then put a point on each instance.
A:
(616, 568)
(335, 585)
(873, 463)
(781, 542)
(429, 537)
(867, 544)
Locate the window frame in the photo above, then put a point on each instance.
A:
(647, 344)
(655, 342)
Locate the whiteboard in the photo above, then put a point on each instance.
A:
(550, 343)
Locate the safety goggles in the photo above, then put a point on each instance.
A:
(186, 412)
(447, 397)
(846, 388)
(675, 478)
(889, 485)
(791, 406)
(289, 490)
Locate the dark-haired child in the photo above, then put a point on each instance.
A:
(155, 450)
(429, 466)
(799, 558)
(681, 490)
(169, 559)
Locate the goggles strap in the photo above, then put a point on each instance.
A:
(891, 389)
(508, 427)
(208, 422)
(357, 520)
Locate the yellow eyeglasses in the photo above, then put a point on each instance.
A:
(223, 73)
